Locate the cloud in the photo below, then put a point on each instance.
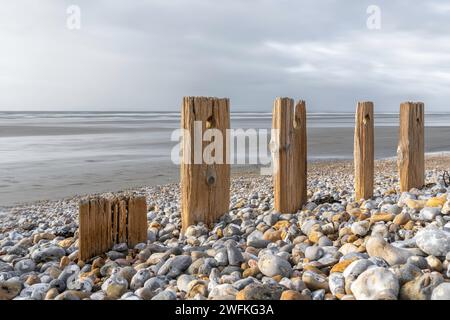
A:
(439, 7)
(146, 55)
(380, 59)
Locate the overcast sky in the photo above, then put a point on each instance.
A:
(148, 54)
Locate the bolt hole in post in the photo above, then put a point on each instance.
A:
(210, 176)
(366, 119)
(210, 122)
(211, 180)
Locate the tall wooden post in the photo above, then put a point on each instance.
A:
(410, 152)
(205, 166)
(364, 150)
(290, 155)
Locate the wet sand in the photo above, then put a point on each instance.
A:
(48, 162)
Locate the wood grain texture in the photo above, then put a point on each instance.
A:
(142, 226)
(93, 229)
(108, 224)
(104, 222)
(84, 232)
(131, 235)
(122, 231)
(364, 150)
(115, 220)
(410, 151)
(290, 156)
(137, 220)
(205, 188)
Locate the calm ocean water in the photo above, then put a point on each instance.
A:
(48, 155)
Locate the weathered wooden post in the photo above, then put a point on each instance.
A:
(410, 151)
(105, 221)
(137, 220)
(290, 155)
(84, 231)
(364, 150)
(205, 166)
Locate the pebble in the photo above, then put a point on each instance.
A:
(48, 254)
(256, 239)
(315, 281)
(441, 292)
(436, 201)
(234, 255)
(144, 293)
(352, 272)
(434, 263)
(115, 287)
(406, 272)
(402, 218)
(293, 295)
(36, 291)
(256, 291)
(183, 282)
(72, 295)
(336, 283)
(318, 294)
(341, 266)
(421, 287)
(10, 289)
(446, 208)
(42, 236)
(197, 287)
(75, 283)
(174, 266)
(272, 265)
(270, 219)
(314, 253)
(114, 255)
(51, 294)
(25, 266)
(376, 284)
(433, 241)
(429, 214)
(222, 258)
(58, 285)
(139, 279)
(360, 228)
(5, 267)
(378, 247)
(165, 295)
(418, 261)
(223, 290)
(154, 283)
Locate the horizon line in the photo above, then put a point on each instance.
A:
(169, 111)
